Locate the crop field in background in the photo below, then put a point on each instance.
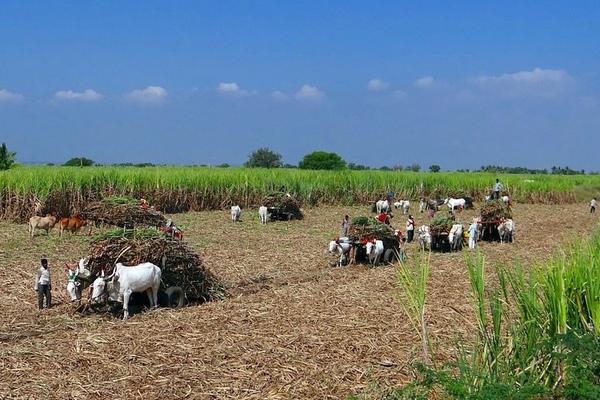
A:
(291, 326)
(65, 190)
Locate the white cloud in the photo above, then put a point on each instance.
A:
(279, 96)
(537, 75)
(149, 95)
(10, 97)
(69, 95)
(399, 94)
(310, 93)
(232, 89)
(377, 85)
(543, 83)
(425, 82)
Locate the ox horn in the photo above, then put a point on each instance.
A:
(125, 250)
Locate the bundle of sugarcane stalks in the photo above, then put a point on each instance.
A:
(283, 204)
(180, 265)
(369, 228)
(122, 213)
(441, 224)
(495, 210)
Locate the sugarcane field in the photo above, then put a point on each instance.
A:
(250, 305)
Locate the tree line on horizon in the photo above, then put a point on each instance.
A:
(264, 157)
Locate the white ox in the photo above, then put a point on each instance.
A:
(424, 237)
(374, 251)
(505, 199)
(382, 206)
(506, 230)
(404, 205)
(263, 214)
(341, 247)
(455, 237)
(73, 291)
(236, 212)
(455, 203)
(46, 223)
(127, 280)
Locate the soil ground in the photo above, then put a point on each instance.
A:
(291, 327)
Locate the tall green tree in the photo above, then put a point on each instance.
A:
(322, 160)
(435, 168)
(7, 158)
(79, 162)
(264, 158)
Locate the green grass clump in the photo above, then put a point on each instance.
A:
(116, 200)
(361, 220)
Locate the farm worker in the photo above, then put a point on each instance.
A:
(144, 204)
(345, 225)
(593, 205)
(473, 234)
(497, 189)
(43, 286)
(389, 197)
(452, 215)
(430, 213)
(384, 218)
(410, 229)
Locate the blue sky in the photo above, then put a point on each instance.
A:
(461, 84)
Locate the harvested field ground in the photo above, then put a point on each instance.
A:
(292, 326)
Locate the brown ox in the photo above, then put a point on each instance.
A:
(72, 224)
(46, 223)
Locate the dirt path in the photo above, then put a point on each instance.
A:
(293, 327)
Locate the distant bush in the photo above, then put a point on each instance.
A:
(79, 162)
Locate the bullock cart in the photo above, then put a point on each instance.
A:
(493, 213)
(184, 279)
(282, 207)
(365, 229)
(441, 235)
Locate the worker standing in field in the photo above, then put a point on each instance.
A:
(410, 229)
(43, 285)
(473, 231)
(593, 205)
(383, 218)
(497, 189)
(390, 198)
(345, 225)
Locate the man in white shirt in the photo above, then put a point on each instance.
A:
(593, 205)
(43, 285)
(410, 229)
(497, 189)
(473, 232)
